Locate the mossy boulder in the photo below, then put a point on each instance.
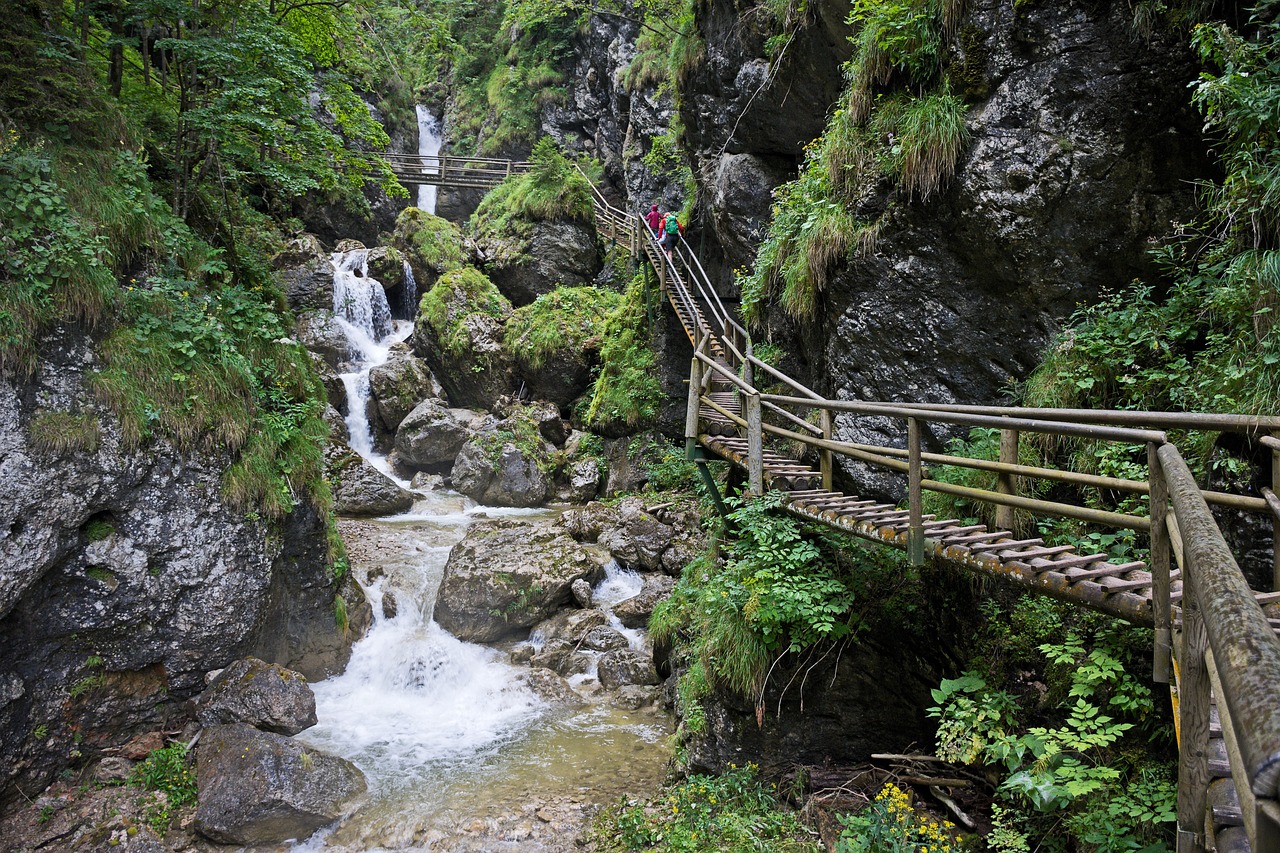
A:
(555, 341)
(398, 386)
(432, 246)
(459, 331)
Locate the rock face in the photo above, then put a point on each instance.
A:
(1082, 148)
(263, 788)
(263, 695)
(306, 274)
(504, 578)
(126, 578)
(513, 478)
(482, 328)
(398, 386)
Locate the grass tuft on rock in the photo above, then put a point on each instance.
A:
(566, 319)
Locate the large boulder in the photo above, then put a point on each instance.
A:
(320, 333)
(431, 435)
(431, 245)
(638, 539)
(553, 254)
(503, 578)
(459, 331)
(263, 695)
(305, 274)
(569, 625)
(398, 386)
(502, 474)
(626, 666)
(258, 788)
(359, 489)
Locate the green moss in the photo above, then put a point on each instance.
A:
(433, 242)
(457, 296)
(569, 319)
(553, 190)
(63, 432)
(98, 529)
(627, 393)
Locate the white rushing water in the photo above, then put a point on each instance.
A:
(428, 146)
(361, 310)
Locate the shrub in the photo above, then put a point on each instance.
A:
(891, 825)
(627, 393)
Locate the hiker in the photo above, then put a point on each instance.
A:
(672, 229)
(654, 220)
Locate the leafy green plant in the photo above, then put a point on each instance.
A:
(891, 825)
(734, 811)
(165, 771)
(626, 393)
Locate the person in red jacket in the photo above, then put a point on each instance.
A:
(654, 220)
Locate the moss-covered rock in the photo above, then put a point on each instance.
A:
(431, 245)
(555, 341)
(459, 332)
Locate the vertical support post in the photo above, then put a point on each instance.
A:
(662, 274)
(1193, 719)
(695, 402)
(755, 443)
(1159, 564)
(749, 369)
(1275, 522)
(825, 463)
(915, 508)
(1005, 483)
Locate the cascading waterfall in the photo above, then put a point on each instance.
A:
(409, 293)
(429, 143)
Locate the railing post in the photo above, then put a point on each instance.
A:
(1193, 718)
(1275, 520)
(915, 509)
(696, 369)
(662, 274)
(1159, 564)
(1005, 484)
(749, 369)
(826, 463)
(755, 443)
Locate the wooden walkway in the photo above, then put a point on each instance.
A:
(446, 170)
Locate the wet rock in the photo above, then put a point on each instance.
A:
(466, 354)
(431, 244)
(320, 333)
(431, 434)
(604, 639)
(305, 274)
(513, 478)
(626, 666)
(546, 417)
(522, 654)
(639, 539)
(581, 482)
(503, 578)
(587, 523)
(258, 787)
(633, 697)
(334, 389)
(635, 611)
(359, 489)
(424, 482)
(390, 607)
(264, 695)
(562, 658)
(337, 425)
(570, 625)
(398, 386)
(581, 592)
(386, 265)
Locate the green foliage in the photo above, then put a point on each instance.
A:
(891, 825)
(64, 432)
(453, 299)
(735, 811)
(568, 319)
(1079, 757)
(434, 242)
(627, 392)
(552, 190)
(167, 771)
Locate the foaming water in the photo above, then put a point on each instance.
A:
(618, 585)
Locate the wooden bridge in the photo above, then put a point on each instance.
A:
(447, 170)
(1214, 638)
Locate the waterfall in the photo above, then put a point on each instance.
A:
(409, 294)
(361, 310)
(428, 146)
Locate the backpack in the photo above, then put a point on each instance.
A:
(673, 224)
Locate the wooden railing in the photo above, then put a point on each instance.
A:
(1214, 639)
(448, 170)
